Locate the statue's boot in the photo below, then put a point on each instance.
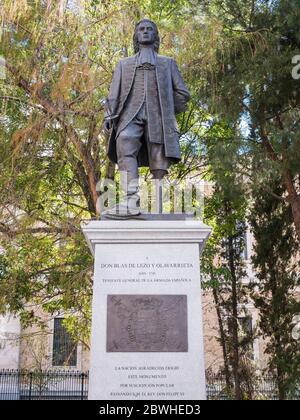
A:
(129, 206)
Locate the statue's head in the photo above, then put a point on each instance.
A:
(145, 33)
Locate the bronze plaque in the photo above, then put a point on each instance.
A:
(147, 323)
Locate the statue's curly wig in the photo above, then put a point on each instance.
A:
(136, 44)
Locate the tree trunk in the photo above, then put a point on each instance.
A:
(294, 200)
(234, 324)
(293, 196)
(222, 337)
(296, 214)
(280, 385)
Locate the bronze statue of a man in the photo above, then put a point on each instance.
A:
(146, 93)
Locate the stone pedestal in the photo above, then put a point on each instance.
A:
(147, 339)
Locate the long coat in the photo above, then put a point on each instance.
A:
(173, 97)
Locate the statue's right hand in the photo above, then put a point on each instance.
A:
(107, 126)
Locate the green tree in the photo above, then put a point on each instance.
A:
(274, 291)
(248, 73)
(223, 263)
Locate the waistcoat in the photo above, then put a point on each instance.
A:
(144, 89)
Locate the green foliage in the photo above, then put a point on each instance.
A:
(274, 292)
(248, 80)
(222, 261)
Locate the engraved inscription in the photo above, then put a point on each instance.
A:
(147, 323)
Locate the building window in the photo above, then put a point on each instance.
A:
(64, 348)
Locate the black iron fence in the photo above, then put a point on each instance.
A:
(46, 385)
(259, 388)
(71, 385)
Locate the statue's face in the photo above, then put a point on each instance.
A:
(145, 33)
